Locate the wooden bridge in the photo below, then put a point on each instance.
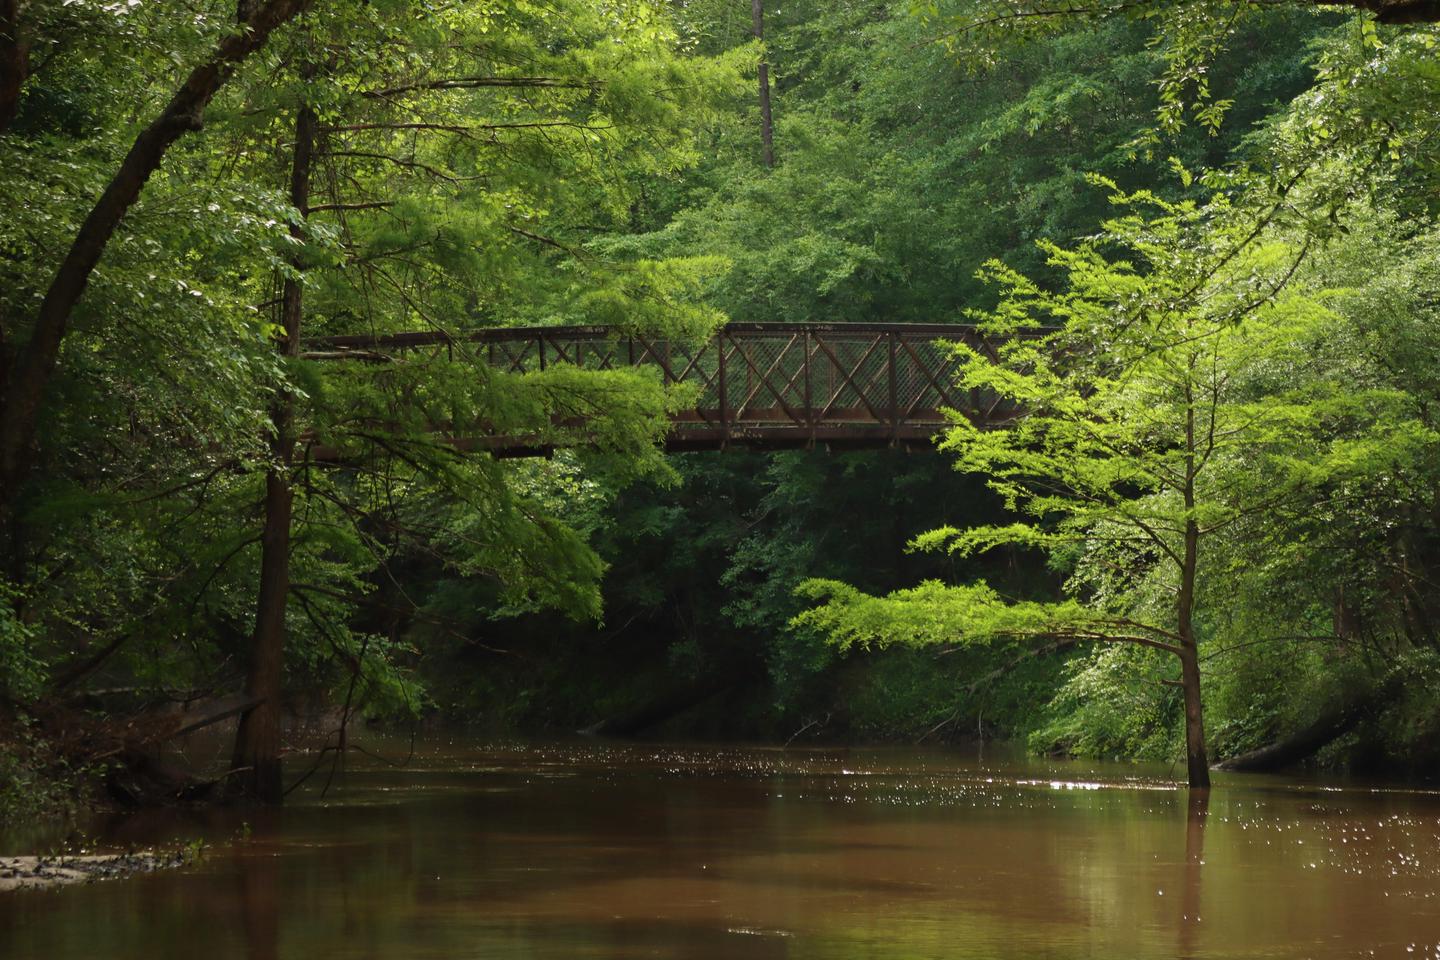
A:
(765, 385)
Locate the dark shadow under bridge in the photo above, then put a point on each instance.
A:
(763, 385)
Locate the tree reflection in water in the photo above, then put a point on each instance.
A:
(259, 881)
(1197, 813)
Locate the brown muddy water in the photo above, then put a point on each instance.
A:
(596, 851)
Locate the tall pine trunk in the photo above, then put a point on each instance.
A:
(257, 742)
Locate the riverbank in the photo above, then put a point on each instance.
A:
(41, 873)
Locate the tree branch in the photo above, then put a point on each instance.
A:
(471, 83)
(371, 205)
(184, 113)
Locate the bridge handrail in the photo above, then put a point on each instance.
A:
(421, 338)
(760, 384)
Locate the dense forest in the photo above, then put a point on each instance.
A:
(1202, 232)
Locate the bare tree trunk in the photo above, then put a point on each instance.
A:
(757, 22)
(26, 384)
(257, 741)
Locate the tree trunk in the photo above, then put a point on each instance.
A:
(1329, 727)
(1196, 760)
(27, 382)
(257, 741)
(757, 23)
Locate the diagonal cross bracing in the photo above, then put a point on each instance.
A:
(759, 384)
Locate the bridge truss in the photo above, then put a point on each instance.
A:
(764, 385)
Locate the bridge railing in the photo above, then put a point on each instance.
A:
(764, 384)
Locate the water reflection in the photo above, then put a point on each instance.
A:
(608, 852)
(259, 882)
(1197, 812)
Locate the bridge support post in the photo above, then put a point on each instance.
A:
(891, 337)
(724, 390)
(809, 394)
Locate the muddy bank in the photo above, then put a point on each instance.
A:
(38, 873)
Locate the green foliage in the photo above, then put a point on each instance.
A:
(37, 781)
(1164, 396)
(1191, 38)
(1112, 704)
(902, 170)
(21, 671)
(589, 162)
(466, 160)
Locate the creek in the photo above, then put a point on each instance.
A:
(597, 850)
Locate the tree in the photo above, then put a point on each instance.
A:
(24, 387)
(257, 739)
(907, 174)
(453, 168)
(461, 163)
(1165, 358)
(1191, 33)
(757, 15)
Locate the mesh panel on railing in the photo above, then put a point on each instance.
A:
(796, 378)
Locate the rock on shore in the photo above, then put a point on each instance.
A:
(35, 873)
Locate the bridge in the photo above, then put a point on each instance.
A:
(760, 385)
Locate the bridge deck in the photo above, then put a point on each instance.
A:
(768, 385)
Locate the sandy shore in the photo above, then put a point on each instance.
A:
(38, 873)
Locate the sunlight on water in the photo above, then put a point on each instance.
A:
(617, 851)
